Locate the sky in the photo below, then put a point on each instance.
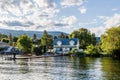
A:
(59, 15)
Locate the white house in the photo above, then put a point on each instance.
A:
(64, 45)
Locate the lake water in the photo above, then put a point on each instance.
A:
(60, 68)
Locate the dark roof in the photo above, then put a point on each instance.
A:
(65, 41)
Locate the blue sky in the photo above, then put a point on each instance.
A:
(59, 15)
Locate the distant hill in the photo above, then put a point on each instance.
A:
(29, 33)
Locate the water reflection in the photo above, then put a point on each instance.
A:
(61, 68)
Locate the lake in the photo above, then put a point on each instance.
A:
(60, 68)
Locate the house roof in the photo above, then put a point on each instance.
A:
(66, 41)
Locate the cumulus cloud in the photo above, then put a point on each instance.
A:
(82, 10)
(22, 8)
(27, 14)
(69, 20)
(97, 30)
(113, 21)
(18, 23)
(108, 22)
(71, 2)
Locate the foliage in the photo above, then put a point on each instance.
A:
(46, 40)
(93, 50)
(3, 36)
(110, 41)
(24, 43)
(34, 36)
(5, 40)
(15, 39)
(62, 35)
(85, 37)
(1, 48)
(74, 52)
(37, 50)
(35, 40)
(10, 39)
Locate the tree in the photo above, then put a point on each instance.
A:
(5, 40)
(62, 35)
(37, 50)
(92, 50)
(110, 41)
(85, 37)
(24, 43)
(46, 41)
(15, 40)
(3, 36)
(34, 36)
(34, 39)
(55, 37)
(10, 39)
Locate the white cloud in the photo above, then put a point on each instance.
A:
(97, 30)
(71, 2)
(69, 20)
(82, 10)
(27, 7)
(112, 21)
(16, 13)
(108, 22)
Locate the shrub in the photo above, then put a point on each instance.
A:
(92, 50)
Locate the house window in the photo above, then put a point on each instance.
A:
(72, 42)
(59, 43)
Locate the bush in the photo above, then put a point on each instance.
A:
(92, 50)
(37, 50)
(74, 52)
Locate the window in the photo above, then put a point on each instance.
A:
(59, 43)
(72, 42)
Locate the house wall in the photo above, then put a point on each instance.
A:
(64, 48)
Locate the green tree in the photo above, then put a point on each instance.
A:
(85, 37)
(92, 50)
(62, 35)
(34, 39)
(46, 41)
(110, 41)
(10, 39)
(4, 36)
(24, 43)
(15, 40)
(37, 50)
(5, 40)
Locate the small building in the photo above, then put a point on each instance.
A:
(2, 44)
(64, 45)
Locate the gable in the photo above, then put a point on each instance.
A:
(65, 41)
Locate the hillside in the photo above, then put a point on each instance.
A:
(29, 33)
